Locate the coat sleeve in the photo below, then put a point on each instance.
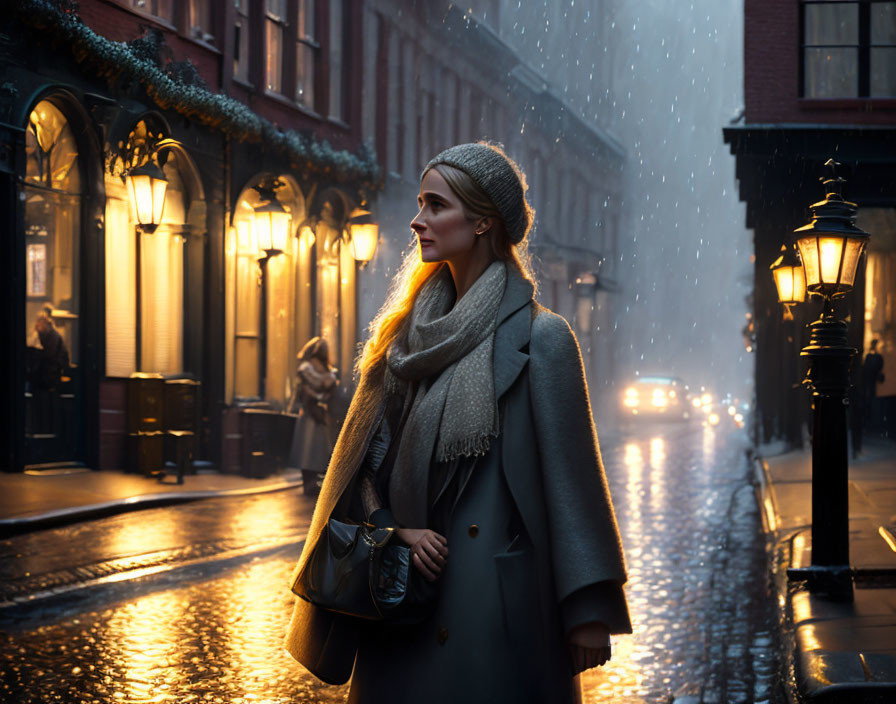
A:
(589, 568)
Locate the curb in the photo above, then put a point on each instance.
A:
(17, 525)
(150, 577)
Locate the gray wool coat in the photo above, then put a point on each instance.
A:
(508, 598)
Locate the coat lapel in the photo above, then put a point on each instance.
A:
(512, 333)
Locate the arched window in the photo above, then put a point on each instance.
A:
(145, 273)
(288, 296)
(52, 227)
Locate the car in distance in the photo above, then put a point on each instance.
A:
(656, 397)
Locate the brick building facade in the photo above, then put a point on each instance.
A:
(819, 83)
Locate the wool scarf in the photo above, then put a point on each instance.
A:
(443, 364)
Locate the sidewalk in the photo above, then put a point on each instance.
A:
(841, 651)
(34, 501)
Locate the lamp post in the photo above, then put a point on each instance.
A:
(271, 225)
(830, 247)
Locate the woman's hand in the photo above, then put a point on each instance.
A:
(589, 646)
(429, 550)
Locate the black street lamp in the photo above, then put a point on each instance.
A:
(830, 247)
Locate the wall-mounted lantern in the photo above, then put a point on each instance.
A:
(271, 221)
(363, 235)
(138, 161)
(148, 186)
(789, 277)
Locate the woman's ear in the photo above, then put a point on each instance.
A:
(483, 225)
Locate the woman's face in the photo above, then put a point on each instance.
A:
(444, 233)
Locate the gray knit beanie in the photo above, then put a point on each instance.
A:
(499, 176)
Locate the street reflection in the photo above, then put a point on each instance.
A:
(149, 643)
(132, 538)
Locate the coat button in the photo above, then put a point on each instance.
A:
(443, 635)
(473, 530)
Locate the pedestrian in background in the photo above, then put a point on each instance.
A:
(52, 362)
(312, 441)
(872, 375)
(471, 434)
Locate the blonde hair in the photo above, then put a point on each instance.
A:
(413, 273)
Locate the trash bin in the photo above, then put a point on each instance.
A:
(266, 435)
(145, 452)
(146, 394)
(181, 399)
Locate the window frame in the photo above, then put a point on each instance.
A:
(863, 47)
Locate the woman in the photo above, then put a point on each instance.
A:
(312, 443)
(471, 432)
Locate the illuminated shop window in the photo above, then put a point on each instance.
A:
(52, 227)
(288, 304)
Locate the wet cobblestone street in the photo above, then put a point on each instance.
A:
(697, 590)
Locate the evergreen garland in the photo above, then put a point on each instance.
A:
(118, 60)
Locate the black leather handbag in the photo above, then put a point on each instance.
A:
(358, 570)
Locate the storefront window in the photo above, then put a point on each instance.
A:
(52, 230)
(162, 282)
(52, 192)
(287, 302)
(880, 290)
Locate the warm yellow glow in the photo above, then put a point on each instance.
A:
(147, 186)
(660, 401)
(713, 419)
(706, 409)
(851, 256)
(272, 230)
(364, 240)
(695, 402)
(672, 394)
(141, 195)
(306, 237)
(631, 391)
(738, 418)
(706, 398)
(630, 401)
(791, 284)
(731, 410)
(784, 282)
(831, 249)
(809, 256)
(799, 284)
(888, 537)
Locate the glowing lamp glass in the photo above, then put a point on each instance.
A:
(364, 239)
(147, 186)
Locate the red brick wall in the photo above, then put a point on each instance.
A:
(116, 22)
(771, 74)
